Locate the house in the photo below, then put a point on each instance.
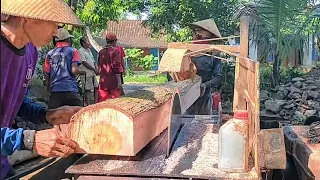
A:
(132, 34)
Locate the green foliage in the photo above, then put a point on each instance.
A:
(288, 73)
(96, 13)
(145, 78)
(227, 88)
(172, 17)
(280, 27)
(136, 56)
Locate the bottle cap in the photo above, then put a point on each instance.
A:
(241, 114)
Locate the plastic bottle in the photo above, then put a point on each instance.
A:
(234, 144)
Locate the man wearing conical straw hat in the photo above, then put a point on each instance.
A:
(208, 67)
(29, 24)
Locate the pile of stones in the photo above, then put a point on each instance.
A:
(293, 101)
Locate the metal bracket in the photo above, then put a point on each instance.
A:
(271, 148)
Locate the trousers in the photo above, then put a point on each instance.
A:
(202, 106)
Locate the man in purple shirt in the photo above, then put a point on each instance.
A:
(23, 31)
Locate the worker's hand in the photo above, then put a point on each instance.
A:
(124, 73)
(202, 89)
(61, 115)
(53, 143)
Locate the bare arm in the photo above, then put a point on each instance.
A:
(76, 71)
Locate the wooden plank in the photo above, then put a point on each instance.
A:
(197, 47)
(173, 60)
(239, 102)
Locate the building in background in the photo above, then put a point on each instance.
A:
(132, 34)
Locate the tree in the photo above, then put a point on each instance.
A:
(278, 27)
(172, 17)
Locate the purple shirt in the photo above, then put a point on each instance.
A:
(17, 68)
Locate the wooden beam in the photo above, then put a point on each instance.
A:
(238, 100)
(197, 47)
(125, 125)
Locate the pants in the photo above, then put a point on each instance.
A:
(58, 99)
(89, 83)
(203, 105)
(108, 94)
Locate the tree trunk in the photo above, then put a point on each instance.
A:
(276, 71)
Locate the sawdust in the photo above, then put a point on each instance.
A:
(112, 165)
(200, 158)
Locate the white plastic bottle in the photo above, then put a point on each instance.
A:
(234, 144)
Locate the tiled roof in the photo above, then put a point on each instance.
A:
(131, 34)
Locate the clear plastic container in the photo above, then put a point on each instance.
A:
(234, 144)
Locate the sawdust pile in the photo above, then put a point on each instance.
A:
(198, 154)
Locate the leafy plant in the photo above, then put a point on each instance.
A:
(279, 27)
(136, 57)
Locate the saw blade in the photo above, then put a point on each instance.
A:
(175, 122)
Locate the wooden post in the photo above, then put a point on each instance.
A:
(241, 76)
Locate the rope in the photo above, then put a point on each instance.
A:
(313, 133)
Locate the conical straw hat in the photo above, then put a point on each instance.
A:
(47, 10)
(207, 24)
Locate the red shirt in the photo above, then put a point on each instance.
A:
(109, 62)
(123, 54)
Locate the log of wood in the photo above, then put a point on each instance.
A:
(122, 126)
(125, 125)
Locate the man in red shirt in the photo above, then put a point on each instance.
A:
(110, 69)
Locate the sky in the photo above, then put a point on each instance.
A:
(131, 16)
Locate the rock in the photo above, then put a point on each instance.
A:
(309, 113)
(274, 105)
(297, 79)
(304, 96)
(269, 114)
(299, 116)
(285, 92)
(288, 106)
(295, 90)
(317, 83)
(279, 95)
(304, 88)
(298, 84)
(288, 84)
(312, 87)
(309, 81)
(294, 96)
(310, 103)
(281, 88)
(316, 106)
(313, 94)
(282, 112)
(264, 95)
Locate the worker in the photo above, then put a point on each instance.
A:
(21, 32)
(123, 55)
(60, 67)
(208, 67)
(110, 69)
(88, 65)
